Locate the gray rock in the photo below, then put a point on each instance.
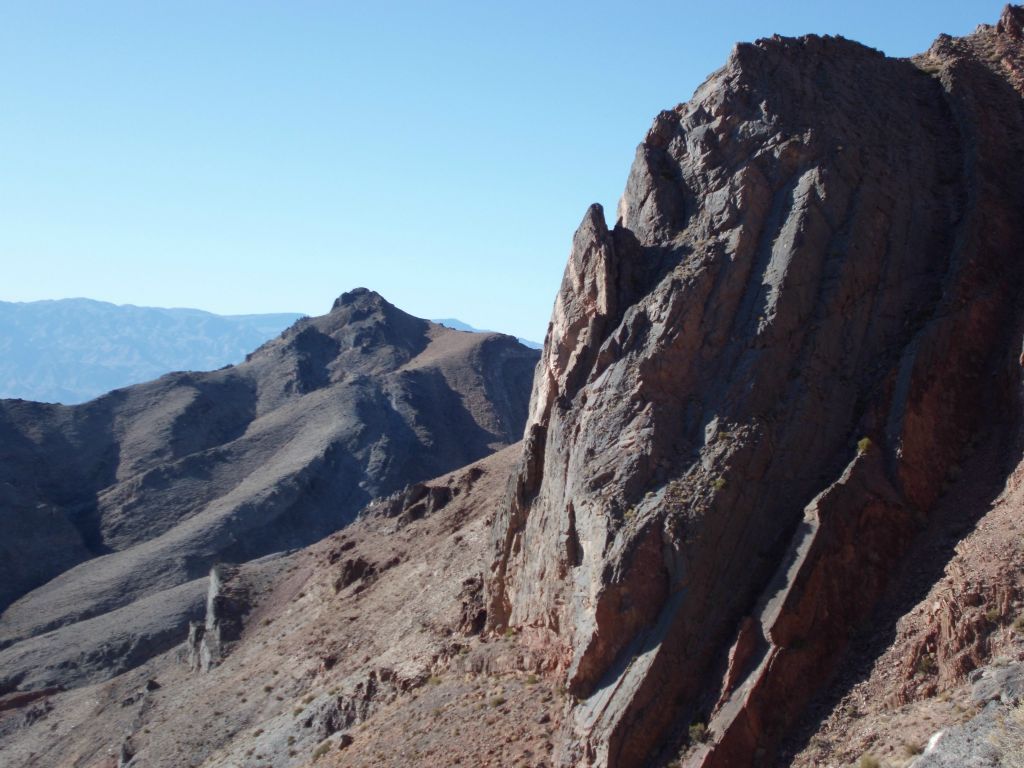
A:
(1004, 684)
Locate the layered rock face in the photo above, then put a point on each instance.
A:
(115, 510)
(754, 385)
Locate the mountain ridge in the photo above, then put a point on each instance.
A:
(147, 487)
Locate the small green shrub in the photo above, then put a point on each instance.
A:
(433, 680)
(869, 761)
(993, 615)
(1018, 624)
(864, 445)
(531, 680)
(719, 483)
(497, 701)
(698, 732)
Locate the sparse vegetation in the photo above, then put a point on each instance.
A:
(497, 701)
(993, 615)
(531, 680)
(1018, 624)
(926, 664)
(433, 680)
(912, 748)
(321, 750)
(1008, 738)
(869, 761)
(719, 483)
(698, 732)
(864, 445)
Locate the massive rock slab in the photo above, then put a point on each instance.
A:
(755, 383)
(110, 507)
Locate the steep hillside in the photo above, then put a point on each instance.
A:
(72, 350)
(757, 384)
(115, 510)
(362, 650)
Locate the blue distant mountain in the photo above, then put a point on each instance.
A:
(72, 350)
(458, 325)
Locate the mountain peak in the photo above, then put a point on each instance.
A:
(360, 296)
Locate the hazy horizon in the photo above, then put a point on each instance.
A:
(266, 161)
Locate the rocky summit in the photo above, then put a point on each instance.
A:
(767, 509)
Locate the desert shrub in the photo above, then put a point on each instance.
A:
(698, 732)
(321, 750)
(925, 664)
(864, 445)
(912, 748)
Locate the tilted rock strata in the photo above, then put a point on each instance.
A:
(753, 386)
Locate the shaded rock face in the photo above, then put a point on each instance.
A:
(126, 499)
(754, 385)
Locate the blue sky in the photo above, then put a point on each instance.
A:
(261, 157)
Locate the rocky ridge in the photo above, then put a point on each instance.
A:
(755, 385)
(118, 508)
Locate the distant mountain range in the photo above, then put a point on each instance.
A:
(72, 350)
(458, 325)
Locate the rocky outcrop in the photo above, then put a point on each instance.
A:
(123, 504)
(227, 603)
(755, 384)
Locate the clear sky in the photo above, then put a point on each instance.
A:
(266, 156)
